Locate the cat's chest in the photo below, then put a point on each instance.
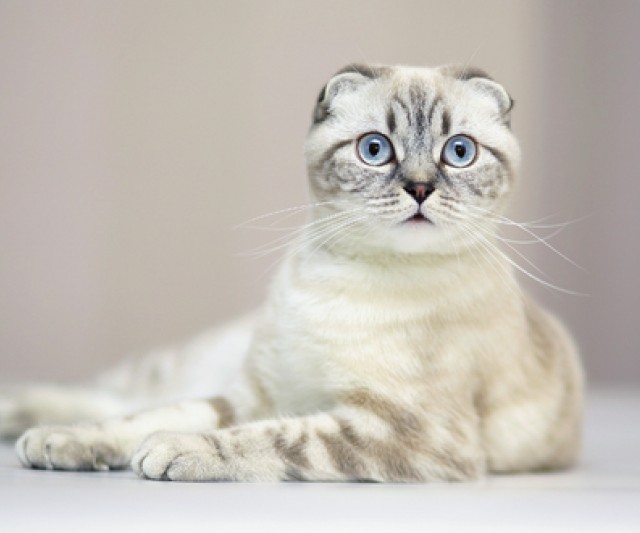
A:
(344, 316)
(336, 328)
(349, 340)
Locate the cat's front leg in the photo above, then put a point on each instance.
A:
(110, 444)
(374, 440)
(27, 405)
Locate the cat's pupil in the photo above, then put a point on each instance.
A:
(374, 148)
(460, 150)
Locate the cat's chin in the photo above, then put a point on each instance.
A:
(416, 236)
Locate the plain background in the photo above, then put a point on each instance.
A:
(134, 136)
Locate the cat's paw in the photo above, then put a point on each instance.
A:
(65, 448)
(179, 457)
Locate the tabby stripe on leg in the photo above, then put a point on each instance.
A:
(343, 457)
(226, 414)
(404, 423)
(214, 442)
(292, 454)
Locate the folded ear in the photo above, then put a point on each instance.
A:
(497, 92)
(485, 85)
(348, 79)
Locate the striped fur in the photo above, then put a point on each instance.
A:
(391, 348)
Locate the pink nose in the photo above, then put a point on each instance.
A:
(419, 190)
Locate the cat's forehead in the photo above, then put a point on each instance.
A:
(390, 86)
(463, 91)
(403, 91)
(416, 83)
(412, 76)
(415, 98)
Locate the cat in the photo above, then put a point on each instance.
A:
(395, 344)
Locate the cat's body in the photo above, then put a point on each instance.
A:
(395, 344)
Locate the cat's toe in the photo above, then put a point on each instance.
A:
(58, 448)
(176, 457)
(30, 448)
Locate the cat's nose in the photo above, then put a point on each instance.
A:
(419, 190)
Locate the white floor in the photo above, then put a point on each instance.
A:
(602, 495)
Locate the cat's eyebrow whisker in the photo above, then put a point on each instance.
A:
(470, 60)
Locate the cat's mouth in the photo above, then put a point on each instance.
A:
(418, 218)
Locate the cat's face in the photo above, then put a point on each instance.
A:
(411, 159)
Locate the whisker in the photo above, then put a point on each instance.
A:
(303, 226)
(294, 210)
(492, 260)
(306, 239)
(283, 241)
(525, 271)
(527, 230)
(533, 224)
(334, 234)
(478, 228)
(529, 241)
(470, 60)
(389, 203)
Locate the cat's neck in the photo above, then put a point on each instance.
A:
(377, 269)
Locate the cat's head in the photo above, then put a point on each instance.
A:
(411, 159)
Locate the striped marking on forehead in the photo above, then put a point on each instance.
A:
(416, 105)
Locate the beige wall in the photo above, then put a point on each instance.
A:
(134, 135)
(589, 167)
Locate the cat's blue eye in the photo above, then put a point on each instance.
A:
(375, 149)
(459, 151)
